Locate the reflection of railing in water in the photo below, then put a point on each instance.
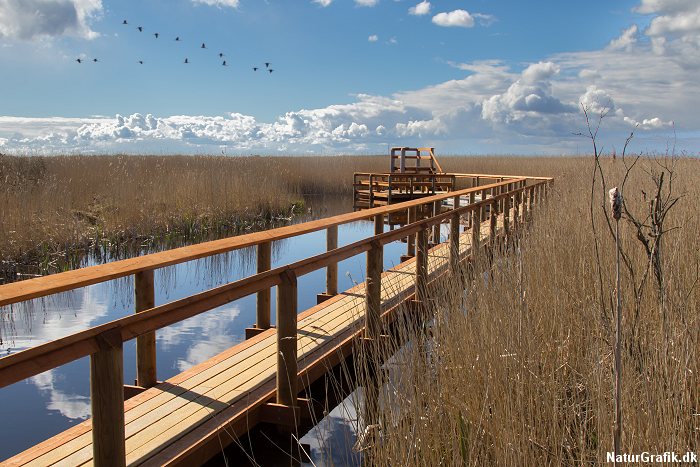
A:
(104, 343)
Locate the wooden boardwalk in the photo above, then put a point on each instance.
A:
(188, 418)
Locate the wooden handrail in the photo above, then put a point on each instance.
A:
(27, 363)
(42, 286)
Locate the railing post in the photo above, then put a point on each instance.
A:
(378, 224)
(144, 298)
(506, 217)
(493, 223)
(332, 269)
(525, 200)
(421, 265)
(476, 231)
(264, 260)
(472, 200)
(373, 292)
(107, 400)
(437, 208)
(287, 339)
(482, 214)
(516, 211)
(411, 242)
(369, 351)
(454, 236)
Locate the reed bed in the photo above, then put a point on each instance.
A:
(517, 369)
(54, 209)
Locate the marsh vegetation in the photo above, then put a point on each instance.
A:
(518, 369)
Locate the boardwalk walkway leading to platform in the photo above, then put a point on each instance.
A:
(190, 417)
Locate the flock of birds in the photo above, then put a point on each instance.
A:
(187, 60)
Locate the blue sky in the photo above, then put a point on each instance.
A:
(350, 76)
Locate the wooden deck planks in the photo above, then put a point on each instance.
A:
(160, 415)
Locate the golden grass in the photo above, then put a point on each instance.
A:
(518, 369)
(54, 208)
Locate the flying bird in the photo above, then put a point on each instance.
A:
(177, 39)
(270, 70)
(255, 68)
(224, 63)
(204, 46)
(156, 34)
(124, 22)
(79, 60)
(267, 64)
(140, 62)
(140, 28)
(95, 60)
(187, 60)
(221, 55)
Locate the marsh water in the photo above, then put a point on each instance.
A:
(44, 405)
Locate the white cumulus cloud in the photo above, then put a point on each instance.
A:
(366, 2)
(423, 8)
(456, 18)
(529, 96)
(36, 19)
(373, 38)
(323, 3)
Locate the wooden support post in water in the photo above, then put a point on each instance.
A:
(107, 401)
(287, 340)
(373, 292)
(262, 306)
(454, 237)
(144, 297)
(421, 265)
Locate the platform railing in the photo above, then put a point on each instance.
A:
(104, 343)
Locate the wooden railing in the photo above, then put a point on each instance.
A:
(104, 343)
(377, 189)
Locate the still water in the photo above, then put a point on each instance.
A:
(44, 405)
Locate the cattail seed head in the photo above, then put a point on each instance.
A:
(616, 203)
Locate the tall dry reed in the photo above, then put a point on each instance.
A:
(53, 208)
(518, 368)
